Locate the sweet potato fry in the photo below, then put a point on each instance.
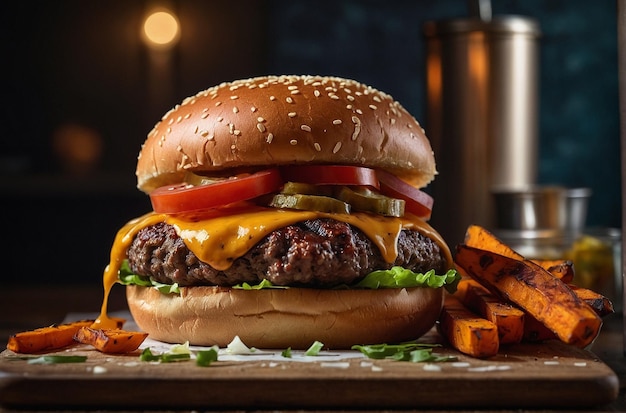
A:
(561, 269)
(508, 319)
(599, 303)
(467, 332)
(111, 341)
(534, 290)
(49, 338)
(464, 284)
(479, 237)
(535, 331)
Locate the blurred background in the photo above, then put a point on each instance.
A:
(82, 88)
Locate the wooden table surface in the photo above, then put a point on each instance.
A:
(27, 307)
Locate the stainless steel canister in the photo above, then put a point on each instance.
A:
(482, 110)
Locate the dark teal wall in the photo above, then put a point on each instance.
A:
(380, 43)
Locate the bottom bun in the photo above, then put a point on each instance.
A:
(282, 318)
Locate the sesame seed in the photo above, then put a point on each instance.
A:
(350, 98)
(295, 92)
(373, 107)
(187, 115)
(337, 147)
(235, 109)
(272, 97)
(260, 119)
(317, 147)
(292, 114)
(305, 128)
(349, 107)
(392, 121)
(292, 87)
(196, 129)
(333, 96)
(218, 103)
(205, 115)
(179, 119)
(233, 147)
(219, 118)
(337, 122)
(288, 99)
(293, 142)
(269, 138)
(260, 127)
(234, 97)
(210, 137)
(253, 109)
(377, 99)
(357, 127)
(169, 130)
(204, 133)
(359, 111)
(316, 93)
(237, 132)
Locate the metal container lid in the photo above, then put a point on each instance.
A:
(511, 24)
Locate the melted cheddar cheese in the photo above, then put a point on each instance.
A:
(219, 240)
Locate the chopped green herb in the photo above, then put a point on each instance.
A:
(56, 359)
(413, 352)
(173, 357)
(315, 348)
(286, 353)
(204, 358)
(146, 355)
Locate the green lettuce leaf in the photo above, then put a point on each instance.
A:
(398, 277)
(127, 277)
(263, 284)
(395, 277)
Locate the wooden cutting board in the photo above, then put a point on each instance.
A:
(548, 375)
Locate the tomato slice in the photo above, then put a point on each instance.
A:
(174, 199)
(331, 175)
(417, 201)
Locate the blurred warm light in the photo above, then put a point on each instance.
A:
(77, 147)
(161, 29)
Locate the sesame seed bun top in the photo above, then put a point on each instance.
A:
(279, 120)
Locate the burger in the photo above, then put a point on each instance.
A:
(286, 210)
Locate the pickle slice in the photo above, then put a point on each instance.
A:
(363, 199)
(292, 188)
(199, 180)
(310, 203)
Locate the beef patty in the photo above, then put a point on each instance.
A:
(314, 253)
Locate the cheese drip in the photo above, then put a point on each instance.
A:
(229, 237)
